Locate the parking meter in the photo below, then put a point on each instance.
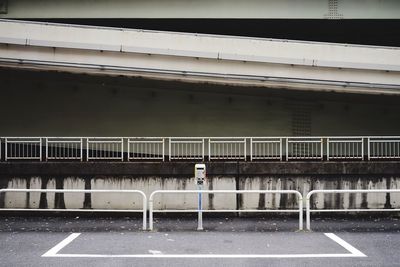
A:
(200, 176)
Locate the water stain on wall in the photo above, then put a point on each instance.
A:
(249, 201)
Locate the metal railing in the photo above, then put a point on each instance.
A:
(341, 191)
(223, 148)
(28, 148)
(200, 148)
(105, 148)
(265, 148)
(140, 148)
(181, 148)
(158, 192)
(384, 147)
(345, 148)
(143, 210)
(304, 148)
(64, 148)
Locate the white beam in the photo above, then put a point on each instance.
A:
(205, 58)
(255, 9)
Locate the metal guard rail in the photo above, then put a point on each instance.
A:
(299, 195)
(144, 209)
(341, 191)
(201, 148)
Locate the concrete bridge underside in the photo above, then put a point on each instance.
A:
(236, 61)
(66, 80)
(273, 9)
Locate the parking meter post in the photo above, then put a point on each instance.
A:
(200, 175)
(200, 213)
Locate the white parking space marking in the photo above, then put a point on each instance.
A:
(346, 245)
(53, 252)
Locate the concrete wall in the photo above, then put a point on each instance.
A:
(151, 176)
(78, 105)
(219, 201)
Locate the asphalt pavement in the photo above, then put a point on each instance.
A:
(226, 241)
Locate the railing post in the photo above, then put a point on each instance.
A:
(5, 149)
(300, 199)
(287, 149)
(81, 149)
(163, 149)
(209, 149)
(128, 150)
(327, 149)
(251, 148)
(87, 149)
(169, 151)
(280, 149)
(308, 219)
(151, 213)
(368, 149)
(122, 149)
(40, 148)
(144, 211)
(47, 148)
(322, 148)
(202, 149)
(245, 152)
(362, 148)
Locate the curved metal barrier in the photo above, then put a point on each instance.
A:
(299, 198)
(143, 210)
(339, 191)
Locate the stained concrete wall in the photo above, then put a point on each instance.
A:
(149, 184)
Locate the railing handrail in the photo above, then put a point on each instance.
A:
(72, 190)
(215, 137)
(60, 141)
(297, 193)
(24, 141)
(266, 141)
(382, 140)
(144, 199)
(107, 141)
(289, 191)
(345, 141)
(341, 191)
(332, 191)
(226, 141)
(304, 141)
(186, 141)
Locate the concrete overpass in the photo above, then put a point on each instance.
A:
(271, 9)
(197, 58)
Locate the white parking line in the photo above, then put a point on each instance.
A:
(53, 252)
(346, 245)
